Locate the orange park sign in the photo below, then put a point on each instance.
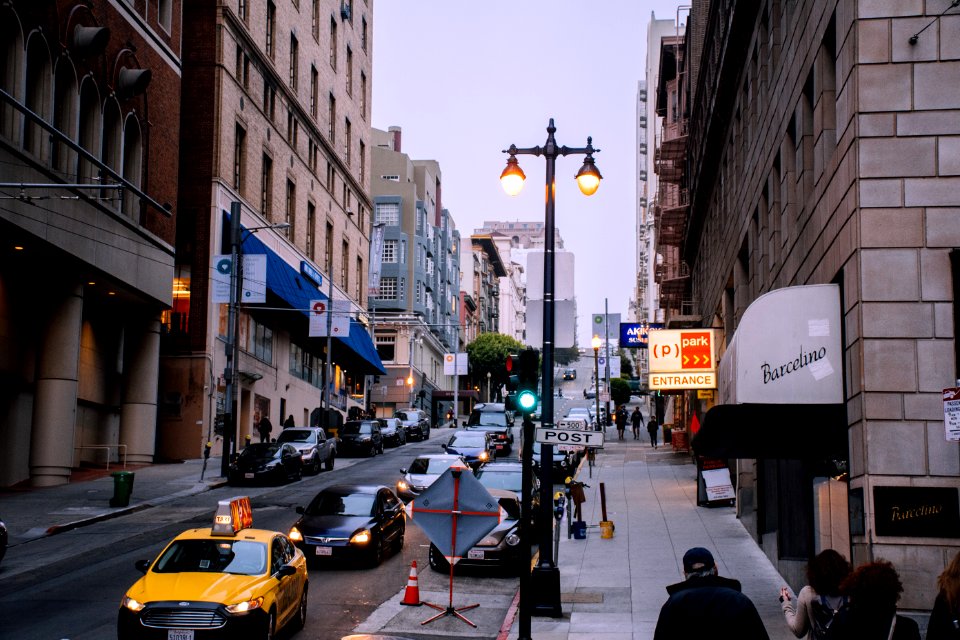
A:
(683, 359)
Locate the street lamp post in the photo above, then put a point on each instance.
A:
(544, 581)
(232, 347)
(488, 386)
(595, 343)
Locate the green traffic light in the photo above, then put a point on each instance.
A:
(527, 401)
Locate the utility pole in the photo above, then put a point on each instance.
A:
(231, 348)
(606, 342)
(327, 371)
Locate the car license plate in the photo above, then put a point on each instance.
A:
(180, 634)
(324, 551)
(248, 476)
(475, 554)
(499, 447)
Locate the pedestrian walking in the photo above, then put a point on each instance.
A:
(944, 621)
(264, 427)
(706, 605)
(817, 603)
(636, 419)
(873, 590)
(288, 422)
(653, 429)
(621, 419)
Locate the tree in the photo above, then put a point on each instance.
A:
(488, 354)
(565, 355)
(619, 391)
(626, 365)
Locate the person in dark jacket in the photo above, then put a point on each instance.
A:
(706, 605)
(873, 590)
(944, 621)
(620, 416)
(636, 419)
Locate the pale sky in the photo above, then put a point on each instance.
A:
(464, 80)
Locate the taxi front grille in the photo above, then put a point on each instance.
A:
(183, 619)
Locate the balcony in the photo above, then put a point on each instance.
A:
(668, 170)
(674, 141)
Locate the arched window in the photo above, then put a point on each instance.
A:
(11, 71)
(132, 164)
(88, 130)
(111, 149)
(65, 98)
(37, 94)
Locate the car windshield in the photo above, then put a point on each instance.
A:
(357, 427)
(241, 557)
(468, 441)
(336, 504)
(261, 450)
(387, 425)
(489, 418)
(402, 415)
(491, 479)
(433, 466)
(298, 435)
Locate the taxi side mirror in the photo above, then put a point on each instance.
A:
(142, 565)
(286, 570)
(403, 470)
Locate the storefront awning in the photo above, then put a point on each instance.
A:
(769, 431)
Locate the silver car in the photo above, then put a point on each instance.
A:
(423, 471)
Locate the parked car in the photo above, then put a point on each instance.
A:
(361, 437)
(315, 447)
(570, 373)
(476, 447)
(392, 431)
(492, 417)
(423, 471)
(229, 581)
(266, 462)
(499, 549)
(415, 422)
(350, 521)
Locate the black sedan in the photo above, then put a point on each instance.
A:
(348, 521)
(267, 462)
(476, 447)
(361, 437)
(392, 431)
(499, 549)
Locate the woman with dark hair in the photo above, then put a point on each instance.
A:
(819, 601)
(945, 618)
(873, 589)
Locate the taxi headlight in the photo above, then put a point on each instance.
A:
(131, 604)
(360, 537)
(402, 485)
(295, 535)
(246, 606)
(513, 539)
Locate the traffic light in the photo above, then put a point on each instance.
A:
(528, 373)
(512, 366)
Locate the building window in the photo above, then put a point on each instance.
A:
(259, 340)
(333, 43)
(363, 33)
(269, 99)
(389, 254)
(419, 292)
(165, 14)
(328, 250)
(294, 61)
(363, 163)
(242, 9)
(315, 21)
(332, 117)
(314, 88)
(304, 365)
(311, 230)
(349, 73)
(363, 95)
(271, 25)
(266, 186)
(387, 213)
(386, 345)
(313, 153)
(239, 157)
(331, 176)
(347, 142)
(359, 279)
(344, 262)
(388, 288)
(293, 129)
(289, 214)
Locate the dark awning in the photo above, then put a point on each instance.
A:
(772, 431)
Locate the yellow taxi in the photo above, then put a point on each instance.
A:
(228, 581)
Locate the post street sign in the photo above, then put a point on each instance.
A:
(570, 437)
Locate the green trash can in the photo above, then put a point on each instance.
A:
(122, 488)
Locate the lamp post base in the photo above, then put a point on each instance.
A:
(545, 589)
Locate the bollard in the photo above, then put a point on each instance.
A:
(122, 488)
(606, 527)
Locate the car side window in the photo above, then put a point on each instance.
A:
(276, 555)
(390, 501)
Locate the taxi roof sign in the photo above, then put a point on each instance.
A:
(232, 515)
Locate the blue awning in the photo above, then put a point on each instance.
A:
(355, 352)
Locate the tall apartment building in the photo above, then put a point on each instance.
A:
(90, 97)
(823, 159)
(417, 306)
(278, 121)
(482, 267)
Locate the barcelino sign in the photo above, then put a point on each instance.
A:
(683, 359)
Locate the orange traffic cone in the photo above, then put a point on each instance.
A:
(412, 595)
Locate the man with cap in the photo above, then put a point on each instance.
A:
(706, 605)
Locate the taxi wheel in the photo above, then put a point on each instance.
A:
(329, 464)
(301, 619)
(270, 627)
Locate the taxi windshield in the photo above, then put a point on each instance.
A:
(298, 435)
(332, 504)
(241, 557)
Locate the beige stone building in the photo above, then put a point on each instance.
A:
(821, 146)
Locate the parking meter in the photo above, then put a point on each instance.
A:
(559, 504)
